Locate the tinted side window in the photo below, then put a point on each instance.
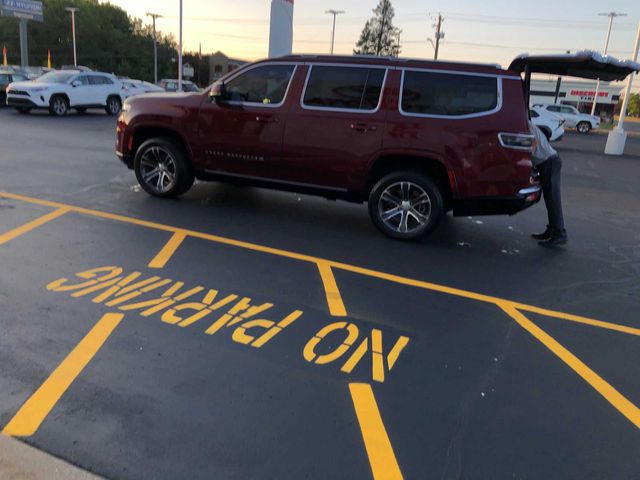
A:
(82, 79)
(567, 110)
(553, 109)
(99, 80)
(344, 87)
(266, 84)
(448, 94)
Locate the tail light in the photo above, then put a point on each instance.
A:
(517, 141)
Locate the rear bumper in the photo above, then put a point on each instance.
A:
(497, 205)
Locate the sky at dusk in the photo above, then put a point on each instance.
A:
(492, 31)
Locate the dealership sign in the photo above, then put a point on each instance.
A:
(26, 9)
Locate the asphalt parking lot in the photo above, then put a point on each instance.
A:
(244, 333)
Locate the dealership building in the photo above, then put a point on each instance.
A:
(577, 93)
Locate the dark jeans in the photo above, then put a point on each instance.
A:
(550, 181)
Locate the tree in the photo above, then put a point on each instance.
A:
(107, 40)
(633, 108)
(379, 36)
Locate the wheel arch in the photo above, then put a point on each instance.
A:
(436, 170)
(143, 133)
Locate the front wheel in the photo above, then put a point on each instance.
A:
(162, 168)
(406, 205)
(58, 106)
(114, 104)
(583, 127)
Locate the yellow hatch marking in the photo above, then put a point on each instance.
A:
(334, 299)
(28, 419)
(27, 227)
(341, 266)
(614, 397)
(168, 250)
(384, 465)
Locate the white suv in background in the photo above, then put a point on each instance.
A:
(60, 90)
(582, 122)
(551, 124)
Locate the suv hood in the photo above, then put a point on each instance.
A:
(30, 85)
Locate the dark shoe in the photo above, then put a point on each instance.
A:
(546, 235)
(555, 240)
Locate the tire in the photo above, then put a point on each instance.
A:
(81, 110)
(114, 105)
(174, 174)
(58, 106)
(414, 200)
(583, 127)
(23, 110)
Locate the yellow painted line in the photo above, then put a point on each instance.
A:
(384, 465)
(615, 398)
(27, 227)
(28, 419)
(334, 299)
(168, 250)
(317, 260)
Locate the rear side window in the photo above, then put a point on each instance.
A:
(351, 88)
(99, 80)
(265, 85)
(447, 94)
(554, 109)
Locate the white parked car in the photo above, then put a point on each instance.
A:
(582, 122)
(551, 124)
(136, 87)
(58, 91)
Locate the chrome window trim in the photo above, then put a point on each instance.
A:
(344, 110)
(496, 109)
(237, 103)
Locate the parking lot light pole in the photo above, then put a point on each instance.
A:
(618, 137)
(335, 13)
(155, 46)
(611, 16)
(180, 53)
(73, 11)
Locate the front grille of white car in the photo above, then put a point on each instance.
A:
(18, 92)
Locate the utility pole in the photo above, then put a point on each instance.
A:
(73, 11)
(611, 16)
(180, 53)
(155, 46)
(335, 13)
(439, 35)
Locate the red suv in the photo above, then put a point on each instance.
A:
(413, 138)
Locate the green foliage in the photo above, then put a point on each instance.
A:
(633, 108)
(379, 36)
(107, 40)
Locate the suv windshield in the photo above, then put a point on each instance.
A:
(56, 77)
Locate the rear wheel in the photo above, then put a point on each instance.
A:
(162, 168)
(114, 104)
(583, 127)
(58, 106)
(406, 205)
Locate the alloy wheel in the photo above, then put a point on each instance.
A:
(404, 207)
(158, 169)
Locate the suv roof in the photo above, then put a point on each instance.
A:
(398, 62)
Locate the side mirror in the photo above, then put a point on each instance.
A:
(76, 83)
(218, 92)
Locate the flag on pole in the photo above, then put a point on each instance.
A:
(4, 55)
(49, 58)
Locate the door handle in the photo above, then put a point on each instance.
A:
(266, 119)
(363, 127)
